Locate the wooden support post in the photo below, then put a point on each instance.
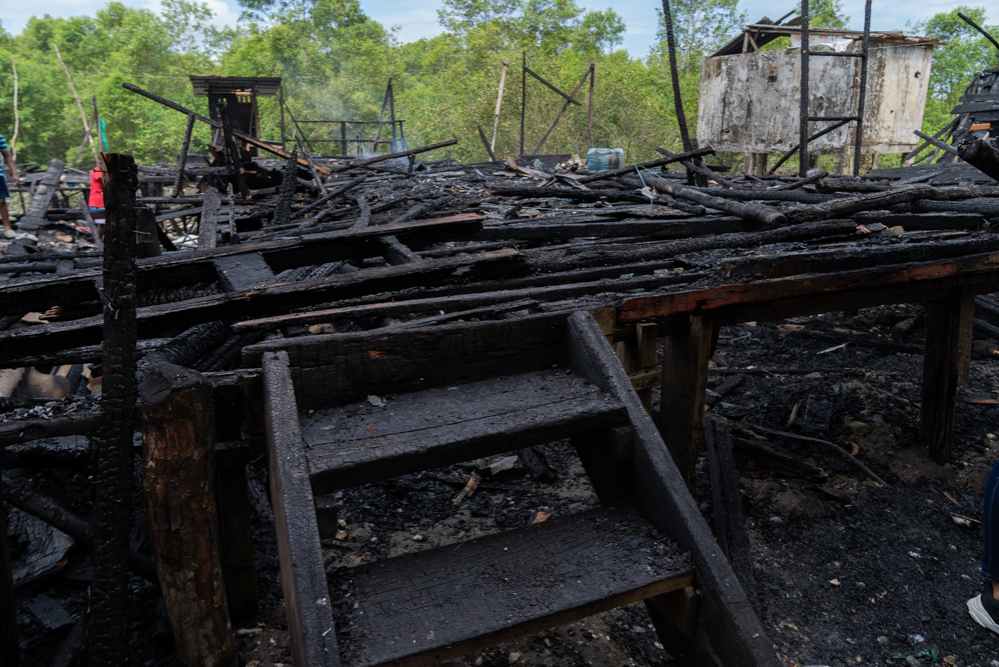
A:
(684, 381)
(108, 645)
(179, 442)
(945, 364)
(232, 151)
(499, 103)
(343, 138)
(178, 185)
(10, 648)
(646, 342)
(605, 454)
(239, 565)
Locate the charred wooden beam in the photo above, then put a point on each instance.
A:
(115, 459)
(563, 193)
(764, 214)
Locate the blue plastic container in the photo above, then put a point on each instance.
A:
(602, 159)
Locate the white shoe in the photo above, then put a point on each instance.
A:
(981, 616)
(9, 233)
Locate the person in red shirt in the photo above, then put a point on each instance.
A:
(96, 200)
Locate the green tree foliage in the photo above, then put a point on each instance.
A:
(826, 14)
(335, 62)
(955, 63)
(699, 28)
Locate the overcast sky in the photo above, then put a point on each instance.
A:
(416, 20)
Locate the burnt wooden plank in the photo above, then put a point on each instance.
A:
(34, 216)
(628, 228)
(303, 577)
(979, 270)
(360, 443)
(657, 491)
(243, 272)
(435, 605)
(269, 300)
(343, 368)
(848, 259)
(25, 430)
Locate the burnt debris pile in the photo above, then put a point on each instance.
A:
(303, 340)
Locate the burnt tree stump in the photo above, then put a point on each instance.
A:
(179, 481)
(108, 640)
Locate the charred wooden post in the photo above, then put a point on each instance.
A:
(208, 227)
(945, 364)
(10, 648)
(179, 485)
(115, 460)
(286, 193)
(684, 381)
(178, 185)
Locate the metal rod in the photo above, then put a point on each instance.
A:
(560, 113)
(979, 29)
(381, 118)
(677, 99)
(803, 102)
(859, 134)
(815, 136)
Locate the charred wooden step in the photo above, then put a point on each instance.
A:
(426, 607)
(360, 443)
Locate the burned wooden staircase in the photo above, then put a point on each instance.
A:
(459, 392)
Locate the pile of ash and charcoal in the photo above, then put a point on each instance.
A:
(859, 538)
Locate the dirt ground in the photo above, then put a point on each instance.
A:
(847, 572)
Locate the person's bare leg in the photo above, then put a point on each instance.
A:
(5, 214)
(995, 589)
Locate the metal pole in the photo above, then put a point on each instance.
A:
(859, 135)
(523, 99)
(803, 104)
(391, 96)
(499, 103)
(281, 106)
(589, 112)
